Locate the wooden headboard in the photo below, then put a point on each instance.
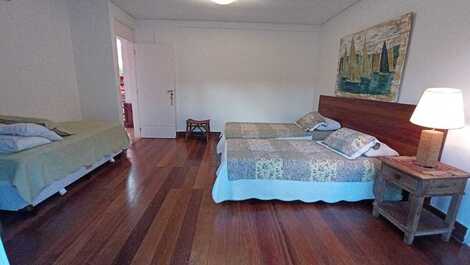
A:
(389, 122)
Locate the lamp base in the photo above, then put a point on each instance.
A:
(429, 148)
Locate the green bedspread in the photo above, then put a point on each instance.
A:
(32, 170)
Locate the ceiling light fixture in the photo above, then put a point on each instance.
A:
(223, 2)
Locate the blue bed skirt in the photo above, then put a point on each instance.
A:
(330, 192)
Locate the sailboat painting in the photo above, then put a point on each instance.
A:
(372, 61)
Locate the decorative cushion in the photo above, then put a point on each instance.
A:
(349, 143)
(310, 121)
(43, 122)
(329, 125)
(29, 130)
(12, 144)
(381, 149)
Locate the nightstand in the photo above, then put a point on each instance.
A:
(410, 216)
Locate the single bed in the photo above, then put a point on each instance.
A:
(260, 130)
(270, 169)
(29, 177)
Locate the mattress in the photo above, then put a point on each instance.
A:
(294, 160)
(32, 170)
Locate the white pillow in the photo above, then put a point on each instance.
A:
(29, 130)
(382, 150)
(329, 125)
(11, 143)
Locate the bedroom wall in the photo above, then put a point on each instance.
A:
(92, 42)
(438, 56)
(238, 71)
(37, 71)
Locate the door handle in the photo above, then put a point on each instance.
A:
(172, 95)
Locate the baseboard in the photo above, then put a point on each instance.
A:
(460, 230)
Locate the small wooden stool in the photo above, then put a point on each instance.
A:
(204, 126)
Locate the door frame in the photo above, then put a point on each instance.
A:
(126, 33)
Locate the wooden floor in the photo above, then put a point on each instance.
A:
(154, 206)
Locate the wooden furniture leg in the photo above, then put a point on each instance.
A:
(416, 206)
(452, 215)
(208, 130)
(379, 190)
(188, 126)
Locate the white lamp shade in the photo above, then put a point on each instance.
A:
(440, 108)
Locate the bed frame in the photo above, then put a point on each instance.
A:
(10, 200)
(389, 122)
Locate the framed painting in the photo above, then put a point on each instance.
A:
(371, 62)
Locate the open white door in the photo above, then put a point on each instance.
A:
(155, 70)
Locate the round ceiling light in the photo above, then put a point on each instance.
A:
(223, 2)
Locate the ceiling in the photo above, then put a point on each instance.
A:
(309, 12)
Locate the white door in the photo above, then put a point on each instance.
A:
(155, 70)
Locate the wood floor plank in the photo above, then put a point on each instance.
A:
(203, 233)
(148, 246)
(205, 176)
(346, 250)
(123, 245)
(154, 206)
(184, 242)
(95, 237)
(273, 245)
(364, 232)
(167, 243)
(307, 249)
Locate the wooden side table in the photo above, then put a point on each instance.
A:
(410, 216)
(204, 126)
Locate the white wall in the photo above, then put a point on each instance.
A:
(122, 23)
(238, 72)
(92, 41)
(438, 56)
(37, 71)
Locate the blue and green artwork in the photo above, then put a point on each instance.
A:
(372, 61)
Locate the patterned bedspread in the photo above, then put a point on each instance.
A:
(294, 160)
(262, 130)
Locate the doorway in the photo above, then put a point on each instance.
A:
(127, 85)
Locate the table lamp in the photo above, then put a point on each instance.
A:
(438, 108)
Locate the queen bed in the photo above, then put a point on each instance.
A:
(287, 170)
(29, 177)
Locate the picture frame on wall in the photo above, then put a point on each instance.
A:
(371, 62)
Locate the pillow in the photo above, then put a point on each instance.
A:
(43, 122)
(381, 149)
(320, 135)
(11, 143)
(330, 125)
(310, 121)
(349, 143)
(29, 130)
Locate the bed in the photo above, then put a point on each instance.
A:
(260, 130)
(268, 169)
(289, 170)
(29, 177)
